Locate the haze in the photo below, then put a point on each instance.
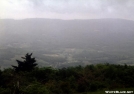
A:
(66, 9)
(63, 33)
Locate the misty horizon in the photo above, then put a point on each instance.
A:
(95, 31)
(66, 46)
(61, 43)
(66, 9)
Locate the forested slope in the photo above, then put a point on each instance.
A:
(71, 80)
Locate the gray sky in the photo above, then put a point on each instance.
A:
(67, 9)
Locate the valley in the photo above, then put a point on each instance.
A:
(64, 43)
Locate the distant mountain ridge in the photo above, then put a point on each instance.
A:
(66, 32)
(61, 43)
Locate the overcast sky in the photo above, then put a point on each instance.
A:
(67, 9)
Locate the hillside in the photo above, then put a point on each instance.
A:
(60, 43)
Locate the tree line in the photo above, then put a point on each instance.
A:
(28, 78)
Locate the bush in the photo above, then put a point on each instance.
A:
(35, 88)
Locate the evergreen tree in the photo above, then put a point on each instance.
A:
(27, 65)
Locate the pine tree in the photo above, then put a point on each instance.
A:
(27, 65)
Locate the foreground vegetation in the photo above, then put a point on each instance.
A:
(78, 80)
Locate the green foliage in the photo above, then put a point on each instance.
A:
(71, 80)
(5, 91)
(27, 65)
(35, 88)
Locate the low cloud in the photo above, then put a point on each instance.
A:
(84, 8)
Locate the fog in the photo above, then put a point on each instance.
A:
(62, 43)
(63, 33)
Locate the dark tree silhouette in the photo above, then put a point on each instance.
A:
(27, 65)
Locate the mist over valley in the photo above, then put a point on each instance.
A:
(63, 43)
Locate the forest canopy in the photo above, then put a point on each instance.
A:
(70, 80)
